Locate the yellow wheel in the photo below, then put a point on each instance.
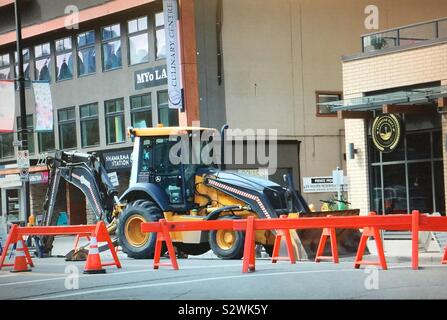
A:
(132, 231)
(227, 244)
(225, 239)
(136, 244)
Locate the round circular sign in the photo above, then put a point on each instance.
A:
(386, 132)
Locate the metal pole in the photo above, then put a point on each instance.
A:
(23, 132)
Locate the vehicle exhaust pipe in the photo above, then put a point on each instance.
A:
(222, 146)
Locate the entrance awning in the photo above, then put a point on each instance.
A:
(405, 98)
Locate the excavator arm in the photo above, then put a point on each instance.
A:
(85, 172)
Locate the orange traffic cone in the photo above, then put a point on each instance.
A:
(20, 264)
(93, 265)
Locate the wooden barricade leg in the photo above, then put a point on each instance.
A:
(10, 240)
(102, 235)
(444, 258)
(327, 232)
(249, 247)
(415, 239)
(289, 245)
(166, 237)
(370, 232)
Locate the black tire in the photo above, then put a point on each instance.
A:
(138, 210)
(192, 248)
(236, 251)
(268, 249)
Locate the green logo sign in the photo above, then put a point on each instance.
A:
(386, 132)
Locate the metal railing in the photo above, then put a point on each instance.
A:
(405, 36)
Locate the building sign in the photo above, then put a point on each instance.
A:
(321, 184)
(175, 78)
(44, 106)
(386, 132)
(7, 105)
(151, 77)
(38, 177)
(118, 160)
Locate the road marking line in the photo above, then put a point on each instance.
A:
(185, 282)
(7, 275)
(107, 274)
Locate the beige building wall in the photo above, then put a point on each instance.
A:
(278, 53)
(402, 68)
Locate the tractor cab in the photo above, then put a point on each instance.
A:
(167, 158)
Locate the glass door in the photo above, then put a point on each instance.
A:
(12, 198)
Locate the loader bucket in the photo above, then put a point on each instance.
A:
(347, 239)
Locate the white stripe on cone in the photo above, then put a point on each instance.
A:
(94, 246)
(19, 250)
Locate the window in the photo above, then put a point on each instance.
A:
(46, 141)
(6, 146)
(89, 125)
(30, 127)
(26, 63)
(141, 109)
(111, 47)
(166, 116)
(326, 96)
(115, 121)
(64, 59)
(409, 178)
(5, 68)
(138, 41)
(86, 53)
(160, 35)
(42, 56)
(67, 128)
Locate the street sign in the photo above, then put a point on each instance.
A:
(23, 159)
(24, 174)
(321, 184)
(17, 143)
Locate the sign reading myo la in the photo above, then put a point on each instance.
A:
(321, 184)
(151, 77)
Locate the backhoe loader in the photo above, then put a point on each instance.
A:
(187, 190)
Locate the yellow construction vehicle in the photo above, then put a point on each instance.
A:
(170, 179)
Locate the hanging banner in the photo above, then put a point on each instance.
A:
(7, 105)
(44, 106)
(172, 26)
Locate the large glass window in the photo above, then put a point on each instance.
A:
(6, 145)
(89, 125)
(111, 47)
(115, 121)
(166, 116)
(138, 41)
(411, 177)
(42, 55)
(160, 35)
(141, 109)
(26, 64)
(64, 59)
(86, 53)
(5, 67)
(30, 127)
(67, 128)
(46, 141)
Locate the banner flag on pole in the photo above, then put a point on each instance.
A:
(44, 106)
(7, 105)
(173, 56)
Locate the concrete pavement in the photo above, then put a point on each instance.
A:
(205, 278)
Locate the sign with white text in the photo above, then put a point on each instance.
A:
(151, 77)
(175, 78)
(321, 184)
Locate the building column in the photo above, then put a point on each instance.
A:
(444, 146)
(358, 180)
(189, 63)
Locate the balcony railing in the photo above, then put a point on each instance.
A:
(405, 36)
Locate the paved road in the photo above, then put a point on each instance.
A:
(208, 278)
